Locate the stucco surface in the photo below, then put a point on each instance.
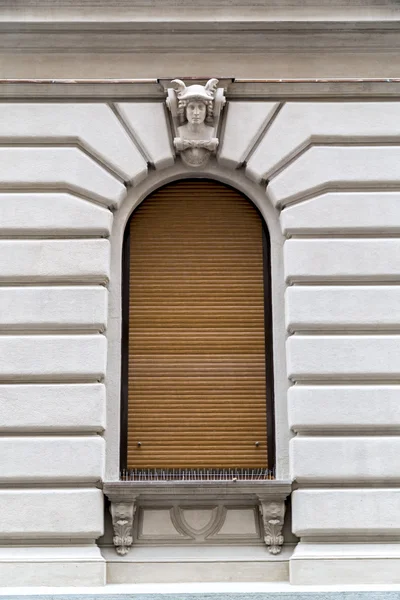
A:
(303, 124)
(148, 124)
(31, 460)
(343, 408)
(338, 308)
(28, 214)
(333, 170)
(244, 124)
(346, 260)
(53, 358)
(51, 513)
(61, 167)
(88, 125)
(56, 407)
(54, 261)
(56, 308)
(343, 212)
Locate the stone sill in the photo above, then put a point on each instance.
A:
(131, 491)
(268, 495)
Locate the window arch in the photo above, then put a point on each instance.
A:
(197, 376)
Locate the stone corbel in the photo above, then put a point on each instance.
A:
(195, 112)
(122, 514)
(269, 495)
(273, 516)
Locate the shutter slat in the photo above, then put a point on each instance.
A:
(196, 365)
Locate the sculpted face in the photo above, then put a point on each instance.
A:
(196, 112)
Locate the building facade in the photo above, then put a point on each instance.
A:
(267, 130)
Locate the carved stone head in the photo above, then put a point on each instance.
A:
(195, 102)
(195, 113)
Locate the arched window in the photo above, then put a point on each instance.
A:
(197, 389)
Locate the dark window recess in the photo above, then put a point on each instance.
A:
(197, 369)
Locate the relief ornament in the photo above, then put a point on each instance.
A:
(195, 114)
(122, 515)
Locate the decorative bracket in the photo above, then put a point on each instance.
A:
(195, 112)
(270, 496)
(122, 514)
(273, 516)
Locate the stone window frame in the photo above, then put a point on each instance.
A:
(269, 358)
(256, 194)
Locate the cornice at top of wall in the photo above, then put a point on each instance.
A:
(100, 90)
(202, 26)
(56, 37)
(124, 11)
(201, 36)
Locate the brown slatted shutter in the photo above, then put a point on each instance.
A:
(196, 350)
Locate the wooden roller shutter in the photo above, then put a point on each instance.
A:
(196, 369)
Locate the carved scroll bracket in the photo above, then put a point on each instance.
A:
(273, 516)
(270, 497)
(122, 514)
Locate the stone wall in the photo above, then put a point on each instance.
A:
(325, 176)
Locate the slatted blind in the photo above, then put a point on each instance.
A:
(196, 366)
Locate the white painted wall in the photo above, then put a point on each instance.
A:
(332, 173)
(63, 166)
(333, 180)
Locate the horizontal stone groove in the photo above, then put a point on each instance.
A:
(346, 382)
(344, 280)
(346, 234)
(57, 330)
(50, 485)
(49, 284)
(345, 485)
(344, 283)
(53, 380)
(355, 379)
(52, 236)
(13, 432)
(340, 330)
(335, 432)
(250, 37)
(63, 91)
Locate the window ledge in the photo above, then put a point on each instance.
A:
(130, 491)
(268, 495)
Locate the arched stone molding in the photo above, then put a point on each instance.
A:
(135, 196)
